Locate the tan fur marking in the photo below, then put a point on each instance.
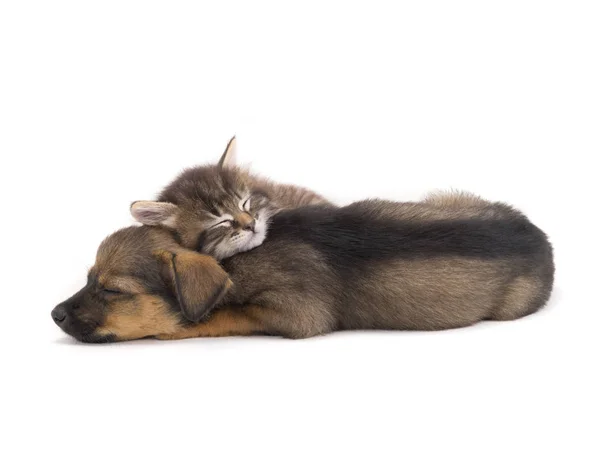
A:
(223, 322)
(243, 219)
(122, 283)
(518, 299)
(142, 316)
(434, 293)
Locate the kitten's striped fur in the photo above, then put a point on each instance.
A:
(222, 209)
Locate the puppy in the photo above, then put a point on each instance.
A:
(370, 265)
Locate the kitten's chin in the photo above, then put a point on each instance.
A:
(255, 240)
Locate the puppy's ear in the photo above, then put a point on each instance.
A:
(199, 282)
(229, 158)
(155, 213)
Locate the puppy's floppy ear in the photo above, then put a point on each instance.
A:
(229, 158)
(198, 280)
(154, 213)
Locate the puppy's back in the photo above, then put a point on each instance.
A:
(426, 265)
(377, 229)
(385, 265)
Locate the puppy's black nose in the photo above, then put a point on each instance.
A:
(59, 314)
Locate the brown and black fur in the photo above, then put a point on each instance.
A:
(370, 265)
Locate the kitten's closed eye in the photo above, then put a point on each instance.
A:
(246, 204)
(224, 223)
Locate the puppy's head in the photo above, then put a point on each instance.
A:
(142, 285)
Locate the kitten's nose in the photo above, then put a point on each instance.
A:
(245, 221)
(250, 226)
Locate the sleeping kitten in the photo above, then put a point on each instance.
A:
(221, 209)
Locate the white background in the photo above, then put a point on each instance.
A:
(102, 103)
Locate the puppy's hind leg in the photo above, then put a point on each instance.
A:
(524, 296)
(294, 316)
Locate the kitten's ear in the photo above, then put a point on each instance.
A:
(154, 213)
(199, 282)
(229, 158)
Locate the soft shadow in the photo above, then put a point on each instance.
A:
(220, 341)
(66, 341)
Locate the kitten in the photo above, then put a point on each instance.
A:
(221, 209)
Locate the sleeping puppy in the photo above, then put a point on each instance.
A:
(370, 265)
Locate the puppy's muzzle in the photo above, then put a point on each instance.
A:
(68, 316)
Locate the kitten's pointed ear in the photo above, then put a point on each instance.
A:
(229, 158)
(154, 213)
(199, 282)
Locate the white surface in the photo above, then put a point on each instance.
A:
(103, 103)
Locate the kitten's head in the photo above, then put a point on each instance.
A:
(213, 209)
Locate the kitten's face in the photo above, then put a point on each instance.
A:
(225, 223)
(212, 209)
